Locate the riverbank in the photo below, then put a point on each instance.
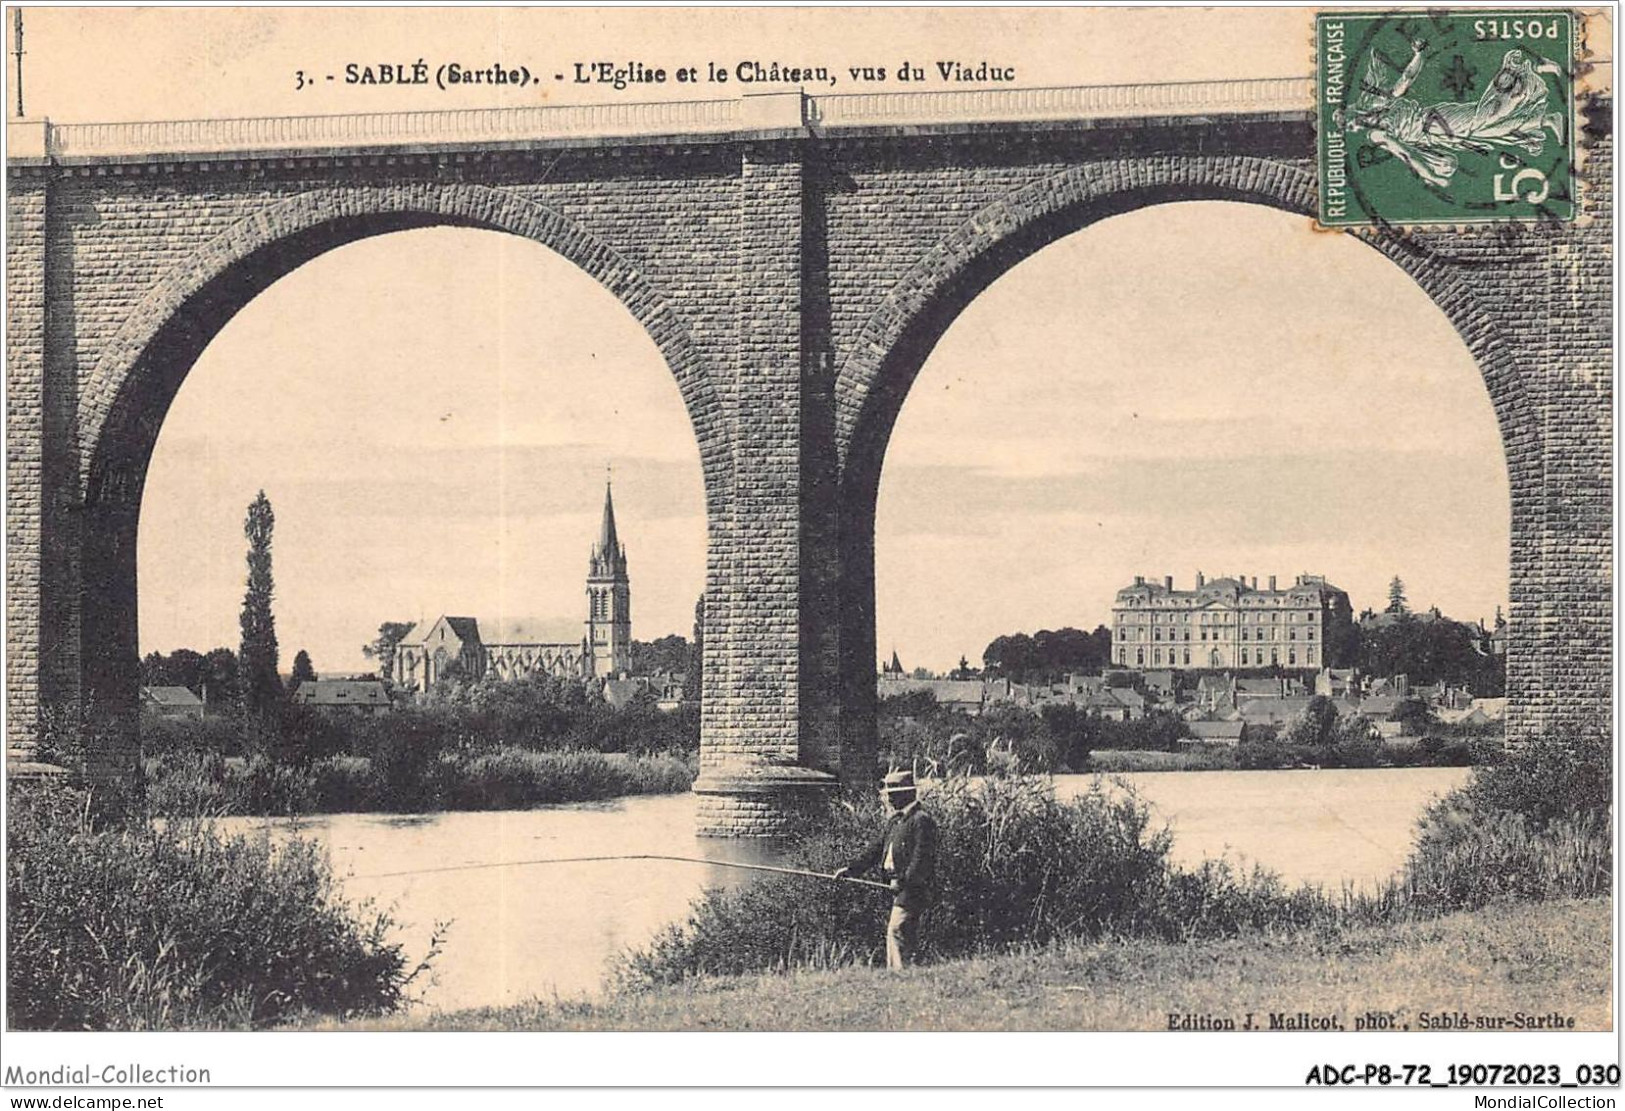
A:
(188, 784)
(1532, 959)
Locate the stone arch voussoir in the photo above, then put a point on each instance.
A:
(1069, 200)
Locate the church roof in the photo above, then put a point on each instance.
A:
(465, 628)
(533, 630)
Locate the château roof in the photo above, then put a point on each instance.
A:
(1307, 588)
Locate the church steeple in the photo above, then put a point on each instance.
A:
(609, 599)
(608, 557)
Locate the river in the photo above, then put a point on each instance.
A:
(519, 932)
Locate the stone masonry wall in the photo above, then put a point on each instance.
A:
(25, 373)
(795, 288)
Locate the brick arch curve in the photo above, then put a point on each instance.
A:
(127, 396)
(879, 368)
(874, 378)
(114, 387)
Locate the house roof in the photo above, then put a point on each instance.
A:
(1259, 687)
(171, 696)
(959, 691)
(341, 692)
(1273, 711)
(1101, 700)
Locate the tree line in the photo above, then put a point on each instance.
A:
(1428, 648)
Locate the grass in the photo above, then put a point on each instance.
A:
(1501, 960)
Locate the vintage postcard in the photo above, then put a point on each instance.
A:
(612, 521)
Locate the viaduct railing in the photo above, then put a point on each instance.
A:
(770, 113)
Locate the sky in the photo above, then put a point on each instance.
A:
(1192, 387)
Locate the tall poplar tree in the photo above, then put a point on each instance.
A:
(257, 658)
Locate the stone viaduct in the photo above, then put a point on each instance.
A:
(795, 258)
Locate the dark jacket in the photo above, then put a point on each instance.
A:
(912, 836)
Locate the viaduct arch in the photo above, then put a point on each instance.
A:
(795, 259)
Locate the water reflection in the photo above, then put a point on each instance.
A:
(520, 930)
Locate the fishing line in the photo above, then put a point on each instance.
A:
(630, 856)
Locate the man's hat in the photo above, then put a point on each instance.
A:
(899, 781)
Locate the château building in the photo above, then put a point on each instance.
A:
(458, 646)
(1230, 623)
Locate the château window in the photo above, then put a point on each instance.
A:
(1244, 657)
(1187, 657)
(1311, 634)
(1292, 656)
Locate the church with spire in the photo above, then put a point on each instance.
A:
(469, 649)
(609, 600)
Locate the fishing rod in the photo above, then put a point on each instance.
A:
(629, 856)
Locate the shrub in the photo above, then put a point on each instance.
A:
(1538, 825)
(1462, 863)
(1262, 749)
(1191, 758)
(267, 787)
(222, 735)
(189, 783)
(342, 784)
(1551, 778)
(1216, 900)
(509, 778)
(158, 928)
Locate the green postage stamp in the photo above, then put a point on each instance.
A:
(1445, 117)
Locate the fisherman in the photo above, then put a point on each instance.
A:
(906, 851)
